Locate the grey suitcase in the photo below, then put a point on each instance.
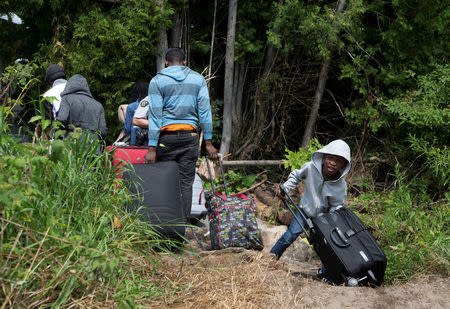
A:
(158, 196)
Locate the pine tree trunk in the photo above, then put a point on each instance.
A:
(316, 104)
(162, 43)
(175, 32)
(260, 106)
(213, 35)
(309, 130)
(228, 87)
(240, 72)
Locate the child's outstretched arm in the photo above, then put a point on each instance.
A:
(293, 179)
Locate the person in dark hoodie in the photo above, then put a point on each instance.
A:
(179, 103)
(325, 191)
(79, 109)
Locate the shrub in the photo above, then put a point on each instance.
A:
(411, 228)
(64, 232)
(295, 159)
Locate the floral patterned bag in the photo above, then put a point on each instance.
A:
(232, 219)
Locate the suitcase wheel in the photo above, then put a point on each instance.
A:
(350, 281)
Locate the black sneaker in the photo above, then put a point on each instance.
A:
(320, 274)
(327, 281)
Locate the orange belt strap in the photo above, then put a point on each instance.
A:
(178, 127)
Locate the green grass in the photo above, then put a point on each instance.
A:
(412, 229)
(58, 240)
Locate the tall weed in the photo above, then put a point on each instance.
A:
(412, 229)
(63, 231)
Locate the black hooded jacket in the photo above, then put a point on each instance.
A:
(79, 108)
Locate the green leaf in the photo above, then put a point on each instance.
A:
(36, 118)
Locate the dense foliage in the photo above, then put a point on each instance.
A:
(64, 232)
(386, 94)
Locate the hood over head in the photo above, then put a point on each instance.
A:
(177, 72)
(77, 84)
(54, 72)
(337, 147)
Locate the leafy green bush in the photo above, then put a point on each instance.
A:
(423, 117)
(236, 181)
(411, 228)
(64, 232)
(295, 159)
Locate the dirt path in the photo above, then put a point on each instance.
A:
(239, 278)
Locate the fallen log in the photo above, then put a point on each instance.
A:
(252, 187)
(252, 162)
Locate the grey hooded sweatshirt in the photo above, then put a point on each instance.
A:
(79, 108)
(320, 194)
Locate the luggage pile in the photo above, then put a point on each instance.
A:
(232, 218)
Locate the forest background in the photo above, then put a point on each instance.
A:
(283, 75)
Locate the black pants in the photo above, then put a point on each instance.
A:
(181, 147)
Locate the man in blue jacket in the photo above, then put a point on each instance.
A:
(179, 104)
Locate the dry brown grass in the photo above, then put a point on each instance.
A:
(239, 278)
(230, 278)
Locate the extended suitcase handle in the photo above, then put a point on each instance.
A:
(300, 211)
(220, 157)
(343, 243)
(210, 175)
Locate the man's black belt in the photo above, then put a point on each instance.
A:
(178, 132)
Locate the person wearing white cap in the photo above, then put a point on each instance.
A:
(55, 76)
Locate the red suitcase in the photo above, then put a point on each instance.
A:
(123, 154)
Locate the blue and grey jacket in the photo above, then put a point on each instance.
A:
(320, 195)
(178, 95)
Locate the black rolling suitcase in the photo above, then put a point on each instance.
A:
(345, 246)
(158, 192)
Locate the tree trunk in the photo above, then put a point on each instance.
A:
(252, 162)
(213, 35)
(162, 43)
(240, 72)
(319, 92)
(186, 33)
(208, 77)
(228, 85)
(316, 104)
(270, 54)
(260, 106)
(175, 32)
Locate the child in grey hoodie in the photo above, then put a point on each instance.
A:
(325, 190)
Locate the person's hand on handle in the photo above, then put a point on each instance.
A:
(211, 150)
(150, 156)
(281, 195)
(281, 192)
